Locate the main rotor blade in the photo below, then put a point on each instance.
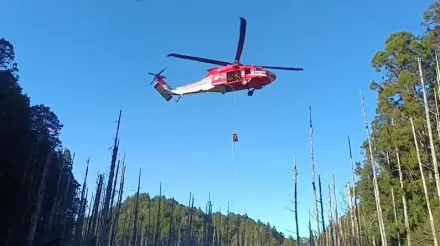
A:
(200, 59)
(284, 68)
(241, 39)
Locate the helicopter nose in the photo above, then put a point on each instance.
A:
(271, 76)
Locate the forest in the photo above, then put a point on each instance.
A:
(393, 197)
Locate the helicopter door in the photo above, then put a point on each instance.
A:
(233, 76)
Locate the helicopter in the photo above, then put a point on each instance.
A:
(231, 76)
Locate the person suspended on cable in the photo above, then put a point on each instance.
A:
(234, 137)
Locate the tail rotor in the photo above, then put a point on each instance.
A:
(158, 75)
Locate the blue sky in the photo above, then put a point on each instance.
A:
(88, 59)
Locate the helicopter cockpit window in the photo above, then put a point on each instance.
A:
(247, 71)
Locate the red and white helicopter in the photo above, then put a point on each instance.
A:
(232, 76)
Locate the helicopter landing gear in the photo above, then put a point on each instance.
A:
(178, 98)
(250, 92)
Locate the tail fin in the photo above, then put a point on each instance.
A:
(161, 86)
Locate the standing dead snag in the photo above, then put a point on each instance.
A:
(188, 239)
(118, 205)
(312, 163)
(437, 113)
(82, 209)
(92, 230)
(158, 225)
(330, 215)
(356, 209)
(40, 195)
(136, 212)
(105, 227)
(350, 212)
(428, 123)
(170, 229)
(376, 186)
(337, 224)
(431, 218)
(402, 188)
(437, 94)
(311, 241)
(296, 198)
(395, 215)
(322, 210)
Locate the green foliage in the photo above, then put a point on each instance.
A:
(399, 99)
(226, 229)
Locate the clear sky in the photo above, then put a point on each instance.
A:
(88, 59)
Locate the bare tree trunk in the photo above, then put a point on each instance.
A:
(428, 123)
(136, 212)
(118, 206)
(41, 191)
(56, 202)
(351, 212)
(311, 241)
(312, 163)
(188, 240)
(322, 210)
(337, 224)
(170, 230)
(356, 209)
(92, 231)
(106, 223)
(437, 93)
(402, 189)
(431, 218)
(395, 216)
(330, 213)
(81, 213)
(437, 119)
(158, 225)
(376, 187)
(296, 199)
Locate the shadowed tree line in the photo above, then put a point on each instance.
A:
(39, 192)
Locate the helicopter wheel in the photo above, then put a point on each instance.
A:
(250, 93)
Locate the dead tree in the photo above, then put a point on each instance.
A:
(82, 209)
(136, 212)
(428, 124)
(158, 225)
(402, 189)
(295, 170)
(322, 210)
(330, 220)
(105, 227)
(356, 209)
(375, 184)
(312, 163)
(431, 218)
(40, 195)
(170, 229)
(92, 230)
(350, 214)
(118, 206)
(337, 224)
(395, 216)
